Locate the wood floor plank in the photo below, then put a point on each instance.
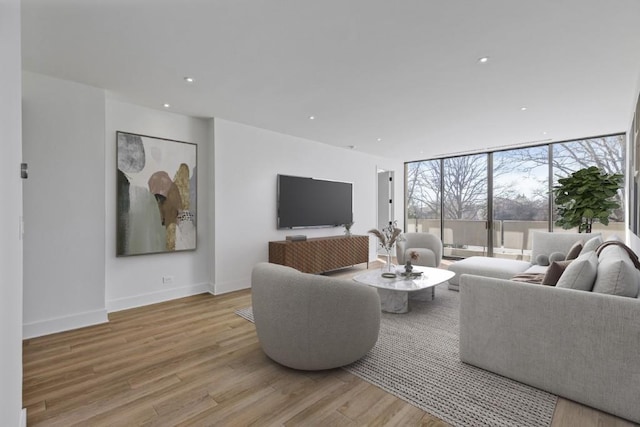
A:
(572, 414)
(192, 361)
(227, 410)
(326, 404)
(297, 395)
(361, 404)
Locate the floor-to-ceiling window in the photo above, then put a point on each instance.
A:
(490, 203)
(423, 184)
(465, 203)
(520, 199)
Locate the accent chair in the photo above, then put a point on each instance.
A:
(427, 246)
(312, 322)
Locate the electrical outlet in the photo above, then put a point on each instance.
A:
(167, 279)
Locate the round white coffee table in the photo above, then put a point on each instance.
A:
(394, 292)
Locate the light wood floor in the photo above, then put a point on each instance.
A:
(192, 361)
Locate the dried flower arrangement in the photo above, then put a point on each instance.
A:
(388, 235)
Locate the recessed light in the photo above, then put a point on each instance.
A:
(483, 60)
(544, 132)
(189, 79)
(166, 105)
(379, 139)
(523, 108)
(312, 117)
(352, 147)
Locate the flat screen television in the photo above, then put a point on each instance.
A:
(308, 202)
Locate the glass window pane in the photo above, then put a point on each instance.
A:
(423, 197)
(465, 205)
(520, 199)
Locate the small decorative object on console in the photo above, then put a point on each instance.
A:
(347, 228)
(297, 238)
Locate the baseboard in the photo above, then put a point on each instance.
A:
(156, 297)
(232, 286)
(23, 417)
(65, 323)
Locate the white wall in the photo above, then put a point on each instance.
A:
(11, 243)
(247, 161)
(63, 133)
(72, 276)
(137, 280)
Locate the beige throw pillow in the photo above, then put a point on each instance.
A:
(581, 273)
(616, 273)
(591, 244)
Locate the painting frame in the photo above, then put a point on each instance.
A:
(156, 195)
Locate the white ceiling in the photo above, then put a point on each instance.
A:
(405, 71)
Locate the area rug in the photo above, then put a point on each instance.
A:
(416, 359)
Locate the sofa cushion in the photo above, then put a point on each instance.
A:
(488, 267)
(545, 243)
(591, 244)
(537, 269)
(574, 250)
(554, 272)
(616, 273)
(581, 273)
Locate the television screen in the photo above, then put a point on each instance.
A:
(309, 202)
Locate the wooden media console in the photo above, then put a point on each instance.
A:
(321, 254)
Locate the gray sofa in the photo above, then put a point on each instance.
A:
(584, 346)
(312, 322)
(543, 243)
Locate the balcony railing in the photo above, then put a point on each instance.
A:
(512, 239)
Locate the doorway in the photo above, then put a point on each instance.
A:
(385, 197)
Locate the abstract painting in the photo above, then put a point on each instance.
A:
(156, 195)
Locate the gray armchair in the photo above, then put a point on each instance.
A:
(428, 247)
(313, 322)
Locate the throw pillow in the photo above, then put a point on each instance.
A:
(556, 256)
(591, 244)
(616, 273)
(554, 272)
(542, 260)
(575, 250)
(581, 273)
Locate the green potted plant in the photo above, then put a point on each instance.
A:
(586, 196)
